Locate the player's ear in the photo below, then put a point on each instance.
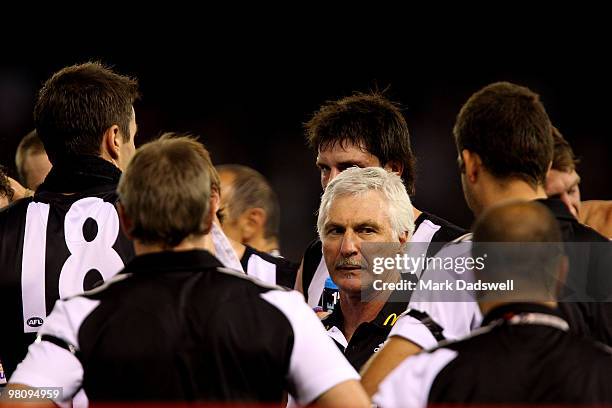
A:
(252, 221)
(471, 164)
(126, 223)
(111, 142)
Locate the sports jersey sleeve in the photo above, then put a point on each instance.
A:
(52, 359)
(456, 319)
(316, 363)
(409, 384)
(455, 311)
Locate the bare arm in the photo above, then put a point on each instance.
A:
(347, 394)
(396, 350)
(19, 190)
(597, 214)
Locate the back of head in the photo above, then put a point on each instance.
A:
(30, 146)
(520, 241)
(508, 127)
(367, 120)
(359, 181)
(165, 191)
(250, 189)
(78, 104)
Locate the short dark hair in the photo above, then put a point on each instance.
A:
(78, 104)
(30, 144)
(563, 156)
(252, 190)
(507, 126)
(165, 190)
(5, 187)
(369, 120)
(522, 241)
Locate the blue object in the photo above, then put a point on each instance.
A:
(329, 283)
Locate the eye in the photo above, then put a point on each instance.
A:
(334, 231)
(343, 167)
(367, 230)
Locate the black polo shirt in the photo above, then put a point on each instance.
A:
(589, 276)
(523, 354)
(179, 326)
(368, 337)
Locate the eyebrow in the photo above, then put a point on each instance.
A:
(332, 225)
(366, 223)
(347, 163)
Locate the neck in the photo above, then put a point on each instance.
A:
(210, 245)
(486, 307)
(188, 244)
(355, 312)
(262, 244)
(106, 156)
(499, 191)
(237, 247)
(416, 213)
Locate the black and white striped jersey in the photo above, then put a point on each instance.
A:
(432, 231)
(180, 326)
(268, 268)
(53, 246)
(523, 355)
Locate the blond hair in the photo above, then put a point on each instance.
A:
(165, 190)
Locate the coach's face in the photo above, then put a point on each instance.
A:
(334, 159)
(351, 221)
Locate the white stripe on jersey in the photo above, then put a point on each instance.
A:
(261, 269)
(315, 290)
(33, 267)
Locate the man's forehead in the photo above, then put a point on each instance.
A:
(344, 153)
(342, 145)
(357, 208)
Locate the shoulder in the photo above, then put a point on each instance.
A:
(15, 211)
(314, 248)
(447, 231)
(279, 261)
(598, 215)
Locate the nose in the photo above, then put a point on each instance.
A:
(333, 172)
(329, 176)
(350, 245)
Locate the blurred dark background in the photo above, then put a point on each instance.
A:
(248, 99)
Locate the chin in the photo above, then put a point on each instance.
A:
(348, 282)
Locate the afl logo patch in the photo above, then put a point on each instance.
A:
(35, 322)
